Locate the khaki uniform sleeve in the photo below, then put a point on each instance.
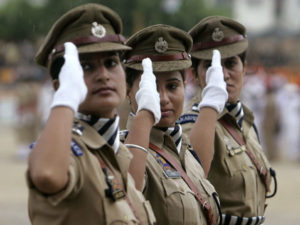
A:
(72, 188)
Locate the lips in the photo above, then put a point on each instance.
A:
(166, 112)
(229, 85)
(103, 90)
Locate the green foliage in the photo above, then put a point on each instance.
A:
(21, 19)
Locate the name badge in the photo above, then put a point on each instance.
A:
(236, 151)
(172, 174)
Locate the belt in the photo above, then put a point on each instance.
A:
(236, 220)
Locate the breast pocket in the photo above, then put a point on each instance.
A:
(182, 206)
(241, 177)
(118, 213)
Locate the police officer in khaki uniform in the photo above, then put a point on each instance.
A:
(78, 170)
(164, 166)
(240, 171)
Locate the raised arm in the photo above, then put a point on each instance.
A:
(148, 114)
(214, 97)
(50, 157)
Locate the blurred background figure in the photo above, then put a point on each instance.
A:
(271, 124)
(253, 94)
(44, 101)
(27, 121)
(288, 100)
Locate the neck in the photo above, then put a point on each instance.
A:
(105, 114)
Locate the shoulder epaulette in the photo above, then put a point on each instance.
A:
(187, 118)
(76, 149)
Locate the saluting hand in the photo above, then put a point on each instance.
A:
(72, 88)
(214, 94)
(147, 96)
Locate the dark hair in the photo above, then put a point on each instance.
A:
(56, 66)
(132, 75)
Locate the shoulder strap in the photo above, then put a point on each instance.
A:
(205, 204)
(116, 191)
(240, 140)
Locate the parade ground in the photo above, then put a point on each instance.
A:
(283, 209)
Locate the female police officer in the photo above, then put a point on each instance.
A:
(78, 168)
(164, 166)
(239, 171)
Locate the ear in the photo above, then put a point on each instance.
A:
(55, 84)
(245, 68)
(194, 75)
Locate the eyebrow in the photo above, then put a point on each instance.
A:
(174, 79)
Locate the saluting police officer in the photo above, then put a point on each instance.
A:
(239, 171)
(78, 170)
(164, 166)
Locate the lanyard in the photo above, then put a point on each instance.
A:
(205, 204)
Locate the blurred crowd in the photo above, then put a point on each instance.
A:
(26, 91)
(275, 101)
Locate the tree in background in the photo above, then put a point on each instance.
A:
(30, 19)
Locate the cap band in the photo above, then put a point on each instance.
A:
(212, 44)
(139, 58)
(118, 38)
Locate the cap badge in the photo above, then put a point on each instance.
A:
(161, 45)
(217, 35)
(98, 30)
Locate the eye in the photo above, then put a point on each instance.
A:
(230, 63)
(172, 85)
(86, 66)
(111, 62)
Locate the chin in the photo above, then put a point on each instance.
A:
(165, 122)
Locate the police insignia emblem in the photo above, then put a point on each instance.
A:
(161, 45)
(168, 170)
(217, 35)
(98, 30)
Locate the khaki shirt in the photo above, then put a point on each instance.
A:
(83, 200)
(172, 200)
(236, 179)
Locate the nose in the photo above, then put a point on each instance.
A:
(164, 98)
(226, 73)
(101, 73)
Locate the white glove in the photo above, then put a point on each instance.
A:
(72, 88)
(214, 95)
(147, 96)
